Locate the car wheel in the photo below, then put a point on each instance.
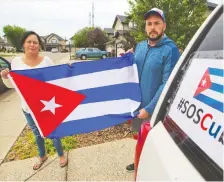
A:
(104, 56)
(83, 57)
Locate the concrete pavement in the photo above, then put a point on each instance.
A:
(104, 162)
(12, 121)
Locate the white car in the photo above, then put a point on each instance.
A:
(54, 50)
(186, 139)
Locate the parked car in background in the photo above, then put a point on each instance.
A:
(54, 50)
(85, 53)
(185, 137)
(3, 65)
(8, 49)
(64, 50)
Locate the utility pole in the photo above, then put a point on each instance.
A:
(89, 19)
(93, 14)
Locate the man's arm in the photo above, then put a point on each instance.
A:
(168, 68)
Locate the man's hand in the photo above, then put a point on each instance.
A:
(143, 114)
(130, 50)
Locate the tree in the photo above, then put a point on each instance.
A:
(14, 35)
(90, 37)
(81, 37)
(183, 18)
(97, 38)
(129, 41)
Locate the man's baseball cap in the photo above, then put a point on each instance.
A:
(155, 11)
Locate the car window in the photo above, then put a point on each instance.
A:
(214, 38)
(83, 49)
(3, 64)
(91, 50)
(194, 109)
(96, 50)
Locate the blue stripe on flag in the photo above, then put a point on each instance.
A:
(113, 92)
(217, 88)
(88, 125)
(48, 73)
(210, 102)
(216, 72)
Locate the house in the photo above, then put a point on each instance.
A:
(120, 27)
(121, 23)
(109, 32)
(2, 42)
(5, 44)
(53, 41)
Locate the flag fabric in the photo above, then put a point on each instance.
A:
(84, 97)
(210, 89)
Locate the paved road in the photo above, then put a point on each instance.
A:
(56, 57)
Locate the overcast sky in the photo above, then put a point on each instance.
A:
(63, 17)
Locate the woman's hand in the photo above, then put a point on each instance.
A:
(5, 73)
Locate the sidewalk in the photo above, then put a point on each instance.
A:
(104, 162)
(12, 121)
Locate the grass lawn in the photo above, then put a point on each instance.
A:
(25, 147)
(6, 55)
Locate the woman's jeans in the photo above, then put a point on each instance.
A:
(39, 140)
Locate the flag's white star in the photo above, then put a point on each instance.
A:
(50, 105)
(203, 83)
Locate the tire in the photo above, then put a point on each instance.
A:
(83, 57)
(104, 56)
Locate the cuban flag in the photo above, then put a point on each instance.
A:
(210, 89)
(84, 97)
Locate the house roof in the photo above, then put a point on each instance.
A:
(122, 18)
(51, 35)
(109, 30)
(211, 6)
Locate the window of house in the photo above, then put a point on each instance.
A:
(54, 41)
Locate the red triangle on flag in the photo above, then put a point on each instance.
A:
(204, 84)
(38, 93)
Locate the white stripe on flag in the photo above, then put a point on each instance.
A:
(102, 108)
(217, 79)
(99, 79)
(213, 94)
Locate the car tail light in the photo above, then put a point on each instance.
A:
(145, 128)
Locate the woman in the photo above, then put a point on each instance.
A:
(31, 43)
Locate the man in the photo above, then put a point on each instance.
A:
(155, 59)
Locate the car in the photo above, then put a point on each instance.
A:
(54, 50)
(3, 65)
(64, 50)
(183, 141)
(9, 49)
(85, 53)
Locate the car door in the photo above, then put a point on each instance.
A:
(90, 53)
(186, 142)
(97, 53)
(3, 65)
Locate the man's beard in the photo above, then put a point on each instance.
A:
(155, 38)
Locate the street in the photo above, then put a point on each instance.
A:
(57, 58)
